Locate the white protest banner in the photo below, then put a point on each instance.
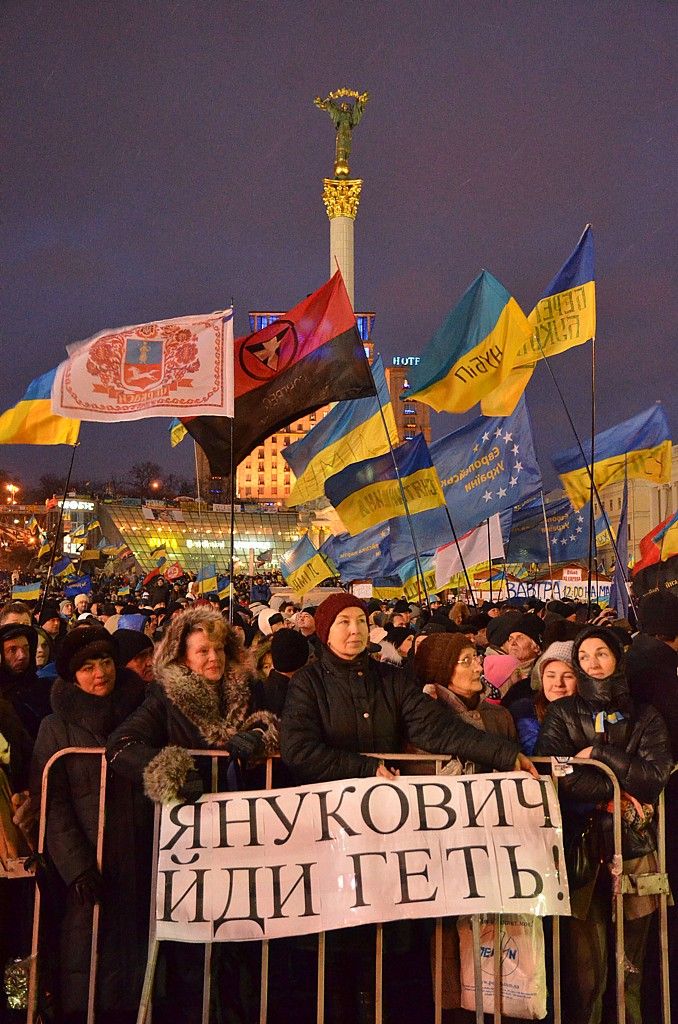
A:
(260, 865)
(559, 590)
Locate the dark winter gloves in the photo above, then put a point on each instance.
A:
(88, 887)
(247, 746)
(192, 788)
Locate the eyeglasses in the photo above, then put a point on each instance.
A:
(469, 659)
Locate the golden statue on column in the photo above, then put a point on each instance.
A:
(345, 117)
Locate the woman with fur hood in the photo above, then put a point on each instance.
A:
(201, 700)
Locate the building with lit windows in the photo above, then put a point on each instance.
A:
(264, 476)
(411, 417)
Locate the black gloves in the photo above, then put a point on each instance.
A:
(246, 745)
(192, 788)
(88, 887)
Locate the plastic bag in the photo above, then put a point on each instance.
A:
(523, 971)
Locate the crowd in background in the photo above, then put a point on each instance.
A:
(164, 671)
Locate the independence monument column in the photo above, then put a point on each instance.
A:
(341, 194)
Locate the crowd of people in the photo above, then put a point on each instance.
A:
(164, 672)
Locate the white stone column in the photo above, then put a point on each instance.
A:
(341, 197)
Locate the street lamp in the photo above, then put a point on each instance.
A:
(12, 489)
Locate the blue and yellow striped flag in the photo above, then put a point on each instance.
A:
(368, 493)
(473, 351)
(27, 591)
(177, 432)
(639, 447)
(31, 420)
(411, 579)
(63, 568)
(303, 567)
(206, 579)
(350, 432)
(565, 316)
(45, 548)
(32, 525)
(94, 525)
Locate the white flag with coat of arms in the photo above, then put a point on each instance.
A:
(180, 367)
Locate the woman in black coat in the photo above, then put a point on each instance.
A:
(602, 722)
(89, 700)
(201, 700)
(338, 709)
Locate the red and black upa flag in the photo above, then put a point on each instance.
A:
(309, 357)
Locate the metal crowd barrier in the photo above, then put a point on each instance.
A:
(622, 885)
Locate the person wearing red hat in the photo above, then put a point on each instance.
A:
(340, 708)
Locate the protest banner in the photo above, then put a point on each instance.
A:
(261, 865)
(560, 590)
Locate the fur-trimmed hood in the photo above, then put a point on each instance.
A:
(217, 711)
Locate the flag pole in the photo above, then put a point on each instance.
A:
(197, 490)
(417, 557)
(592, 517)
(587, 466)
(548, 537)
(461, 557)
(489, 557)
(231, 550)
(58, 530)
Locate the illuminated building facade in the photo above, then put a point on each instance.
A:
(411, 418)
(264, 476)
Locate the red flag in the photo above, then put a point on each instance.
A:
(311, 356)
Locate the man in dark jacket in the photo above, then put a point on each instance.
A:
(19, 683)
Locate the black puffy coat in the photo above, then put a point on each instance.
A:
(336, 709)
(652, 669)
(183, 712)
(81, 719)
(636, 749)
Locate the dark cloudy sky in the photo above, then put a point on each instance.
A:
(162, 157)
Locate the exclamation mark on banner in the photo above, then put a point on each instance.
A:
(556, 861)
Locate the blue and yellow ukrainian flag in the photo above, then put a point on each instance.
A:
(123, 591)
(159, 555)
(32, 525)
(565, 316)
(411, 579)
(351, 432)
(79, 533)
(27, 591)
(94, 525)
(639, 447)
(206, 579)
(63, 568)
(368, 493)
(387, 588)
(473, 351)
(303, 567)
(177, 432)
(45, 548)
(31, 421)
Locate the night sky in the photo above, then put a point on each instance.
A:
(161, 158)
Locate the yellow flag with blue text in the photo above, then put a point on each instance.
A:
(473, 351)
(565, 316)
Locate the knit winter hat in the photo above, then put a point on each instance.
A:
(437, 657)
(397, 634)
(658, 614)
(559, 650)
(79, 645)
(530, 625)
(500, 628)
(330, 608)
(266, 619)
(130, 644)
(49, 611)
(401, 606)
(498, 668)
(289, 650)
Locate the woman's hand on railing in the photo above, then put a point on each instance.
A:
(383, 772)
(523, 764)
